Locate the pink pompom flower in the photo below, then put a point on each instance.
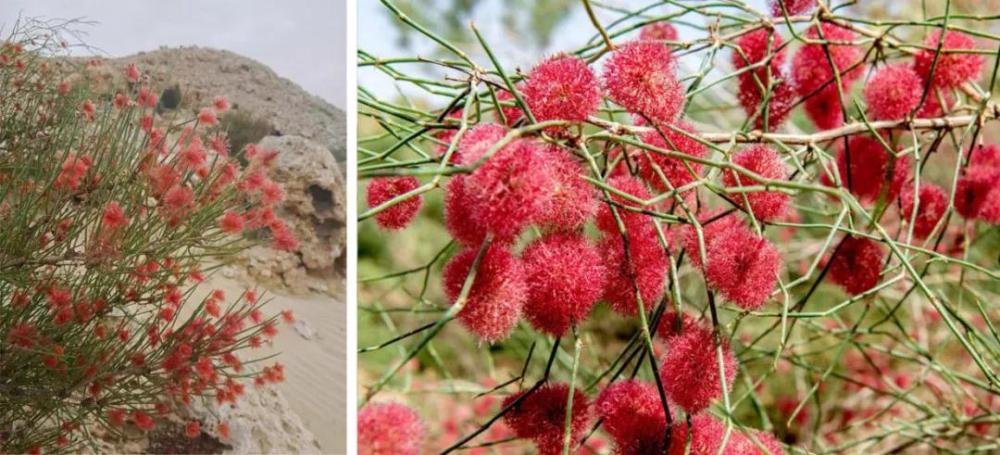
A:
(565, 276)
(383, 189)
(647, 267)
(824, 109)
(811, 69)
(977, 193)
(856, 264)
(633, 416)
(512, 113)
(658, 31)
(869, 171)
(389, 429)
(713, 225)
(626, 208)
(765, 162)
(541, 416)
(690, 371)
(754, 48)
(893, 92)
(986, 155)
(476, 142)
(674, 169)
(742, 267)
(459, 214)
(562, 88)
(952, 68)
(511, 188)
(573, 200)
(933, 203)
(640, 76)
(707, 434)
(498, 293)
(791, 7)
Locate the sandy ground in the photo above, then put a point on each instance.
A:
(313, 351)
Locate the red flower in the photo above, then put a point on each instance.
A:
(742, 267)
(142, 420)
(510, 189)
(207, 117)
(856, 264)
(824, 109)
(541, 416)
(574, 200)
(23, 335)
(690, 370)
(977, 194)
(192, 429)
(673, 169)
(220, 104)
(670, 326)
(811, 69)
(633, 415)
(952, 68)
(765, 162)
(562, 88)
(498, 293)
(893, 92)
(869, 169)
(647, 268)
(641, 77)
(713, 224)
(512, 113)
(987, 155)
(193, 156)
(223, 429)
(633, 220)
(178, 198)
(459, 211)
(114, 216)
(658, 31)
(132, 72)
(792, 7)
(933, 203)
(231, 222)
(116, 417)
(389, 429)
(565, 276)
(753, 85)
(476, 142)
(706, 434)
(383, 189)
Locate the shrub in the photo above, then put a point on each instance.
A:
(108, 223)
(817, 281)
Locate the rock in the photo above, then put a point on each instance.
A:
(203, 73)
(314, 209)
(260, 422)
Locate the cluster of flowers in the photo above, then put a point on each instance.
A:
(98, 325)
(520, 182)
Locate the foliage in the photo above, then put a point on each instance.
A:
(110, 224)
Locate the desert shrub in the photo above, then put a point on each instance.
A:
(709, 227)
(110, 222)
(243, 128)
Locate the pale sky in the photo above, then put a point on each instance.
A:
(302, 40)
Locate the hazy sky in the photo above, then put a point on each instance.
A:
(302, 40)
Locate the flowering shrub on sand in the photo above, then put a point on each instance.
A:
(771, 233)
(111, 218)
